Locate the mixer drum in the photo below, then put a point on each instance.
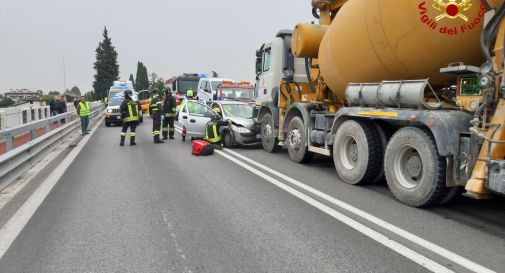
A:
(376, 40)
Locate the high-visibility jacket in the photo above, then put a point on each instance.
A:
(84, 109)
(129, 110)
(212, 132)
(189, 93)
(169, 107)
(155, 105)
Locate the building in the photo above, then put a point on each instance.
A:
(20, 94)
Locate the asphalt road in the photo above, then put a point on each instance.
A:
(157, 208)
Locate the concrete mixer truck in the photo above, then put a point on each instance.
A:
(410, 91)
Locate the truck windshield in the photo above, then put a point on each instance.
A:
(247, 94)
(238, 110)
(184, 85)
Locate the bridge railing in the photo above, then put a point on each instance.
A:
(23, 146)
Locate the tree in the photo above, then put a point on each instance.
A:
(6, 102)
(54, 93)
(133, 81)
(106, 66)
(156, 82)
(142, 82)
(1, 96)
(75, 91)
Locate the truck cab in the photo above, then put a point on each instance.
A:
(275, 62)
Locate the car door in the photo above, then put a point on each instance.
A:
(198, 115)
(183, 115)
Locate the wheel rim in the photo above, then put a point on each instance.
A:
(267, 132)
(294, 139)
(349, 152)
(408, 167)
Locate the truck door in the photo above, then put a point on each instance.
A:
(265, 74)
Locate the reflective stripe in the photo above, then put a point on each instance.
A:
(155, 133)
(84, 109)
(132, 116)
(211, 135)
(174, 109)
(171, 129)
(165, 129)
(169, 115)
(123, 133)
(133, 134)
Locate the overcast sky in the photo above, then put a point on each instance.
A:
(170, 37)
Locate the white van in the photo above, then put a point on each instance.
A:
(207, 88)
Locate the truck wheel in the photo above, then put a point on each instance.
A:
(385, 133)
(357, 152)
(227, 139)
(297, 141)
(268, 139)
(415, 172)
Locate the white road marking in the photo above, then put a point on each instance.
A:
(15, 225)
(379, 222)
(391, 244)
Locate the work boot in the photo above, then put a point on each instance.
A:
(132, 141)
(157, 139)
(122, 141)
(164, 137)
(171, 137)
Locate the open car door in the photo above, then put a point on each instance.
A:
(194, 116)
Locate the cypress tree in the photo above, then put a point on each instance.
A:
(142, 82)
(106, 66)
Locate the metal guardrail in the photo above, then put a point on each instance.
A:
(18, 160)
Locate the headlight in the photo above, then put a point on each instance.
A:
(241, 130)
(109, 111)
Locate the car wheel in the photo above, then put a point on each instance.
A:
(228, 139)
(107, 124)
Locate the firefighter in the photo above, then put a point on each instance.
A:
(155, 110)
(130, 115)
(212, 134)
(169, 108)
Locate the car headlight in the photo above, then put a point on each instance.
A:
(109, 111)
(241, 130)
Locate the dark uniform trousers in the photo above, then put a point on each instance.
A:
(133, 127)
(168, 125)
(156, 123)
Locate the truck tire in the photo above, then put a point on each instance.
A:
(268, 139)
(415, 172)
(296, 141)
(357, 152)
(228, 139)
(385, 133)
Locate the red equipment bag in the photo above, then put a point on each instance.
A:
(202, 147)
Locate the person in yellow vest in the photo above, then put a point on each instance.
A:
(129, 110)
(83, 111)
(212, 131)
